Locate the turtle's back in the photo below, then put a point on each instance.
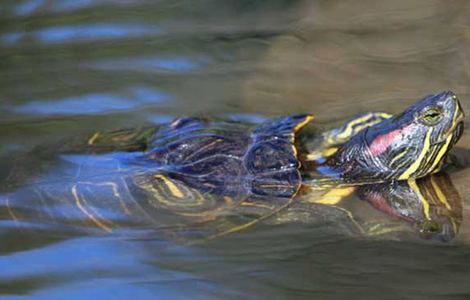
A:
(230, 158)
(198, 169)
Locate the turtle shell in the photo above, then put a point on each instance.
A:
(205, 166)
(198, 171)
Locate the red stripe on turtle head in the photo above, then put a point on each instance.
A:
(382, 142)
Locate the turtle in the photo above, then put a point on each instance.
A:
(203, 178)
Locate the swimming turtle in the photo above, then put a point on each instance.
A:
(219, 176)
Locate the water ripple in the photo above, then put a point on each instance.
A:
(28, 7)
(68, 5)
(69, 33)
(94, 103)
(151, 64)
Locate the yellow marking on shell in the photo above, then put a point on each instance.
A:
(333, 196)
(164, 199)
(203, 148)
(256, 205)
(89, 215)
(114, 188)
(308, 119)
(414, 167)
(424, 202)
(175, 191)
(175, 122)
(93, 138)
(116, 194)
(155, 194)
(441, 153)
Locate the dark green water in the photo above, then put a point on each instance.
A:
(69, 67)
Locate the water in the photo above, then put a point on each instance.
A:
(69, 67)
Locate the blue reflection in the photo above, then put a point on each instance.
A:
(329, 172)
(173, 64)
(101, 268)
(80, 255)
(60, 34)
(30, 225)
(28, 7)
(149, 95)
(95, 103)
(102, 162)
(161, 119)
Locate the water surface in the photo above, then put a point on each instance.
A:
(70, 67)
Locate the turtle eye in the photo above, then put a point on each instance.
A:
(431, 116)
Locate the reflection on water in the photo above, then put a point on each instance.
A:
(431, 205)
(94, 103)
(65, 34)
(71, 67)
(149, 64)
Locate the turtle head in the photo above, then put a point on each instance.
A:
(412, 144)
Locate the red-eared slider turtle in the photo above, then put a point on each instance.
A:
(217, 176)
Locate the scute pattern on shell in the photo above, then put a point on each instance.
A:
(223, 158)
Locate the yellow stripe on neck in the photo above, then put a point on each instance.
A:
(412, 169)
(441, 153)
(398, 156)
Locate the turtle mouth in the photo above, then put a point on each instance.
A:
(455, 131)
